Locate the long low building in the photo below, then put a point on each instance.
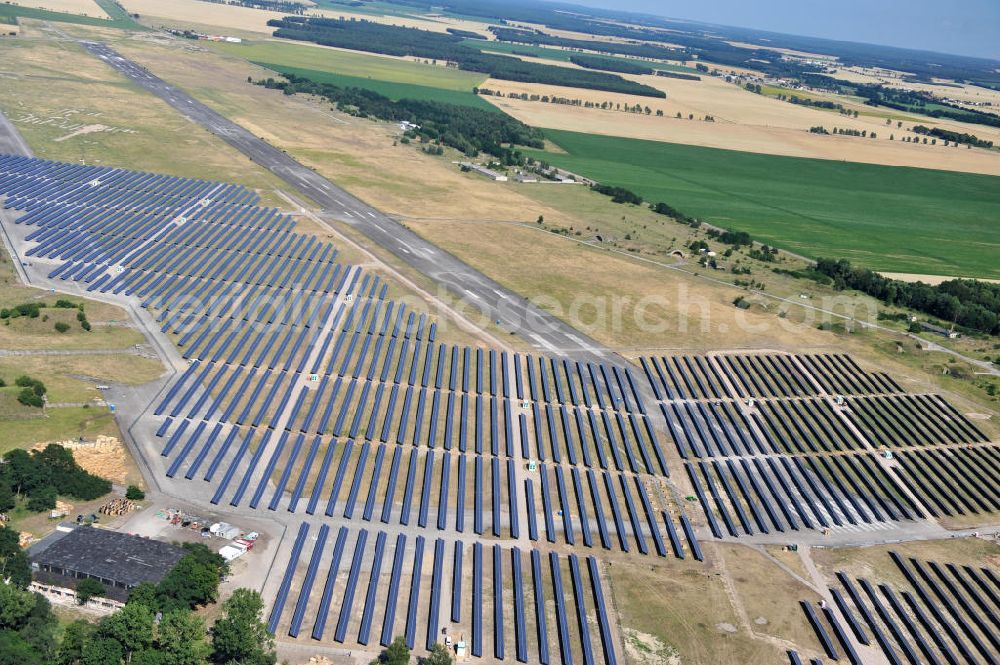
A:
(120, 561)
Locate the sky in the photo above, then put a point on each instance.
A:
(964, 27)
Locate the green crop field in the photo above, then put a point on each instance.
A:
(887, 218)
(351, 63)
(390, 89)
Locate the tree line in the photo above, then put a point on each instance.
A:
(394, 40)
(610, 64)
(467, 129)
(587, 104)
(677, 75)
(971, 304)
(957, 137)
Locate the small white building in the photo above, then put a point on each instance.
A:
(231, 552)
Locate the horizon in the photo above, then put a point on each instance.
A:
(915, 24)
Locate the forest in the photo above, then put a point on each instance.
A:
(399, 41)
(610, 64)
(971, 304)
(468, 129)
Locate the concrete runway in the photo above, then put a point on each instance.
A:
(514, 312)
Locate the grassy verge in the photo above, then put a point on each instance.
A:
(887, 218)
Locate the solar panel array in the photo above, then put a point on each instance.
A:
(309, 391)
(777, 442)
(945, 613)
(368, 588)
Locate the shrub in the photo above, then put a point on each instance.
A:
(133, 493)
(62, 327)
(87, 589)
(37, 386)
(65, 304)
(30, 310)
(28, 397)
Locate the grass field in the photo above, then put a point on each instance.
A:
(887, 218)
(390, 89)
(349, 63)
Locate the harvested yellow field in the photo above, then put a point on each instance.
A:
(929, 279)
(255, 20)
(743, 121)
(203, 13)
(84, 7)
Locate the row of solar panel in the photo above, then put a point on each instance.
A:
(953, 481)
(949, 614)
(387, 412)
(427, 478)
(114, 265)
(482, 370)
(813, 425)
(213, 226)
(793, 492)
(29, 192)
(911, 420)
(712, 429)
(536, 637)
(744, 376)
(68, 174)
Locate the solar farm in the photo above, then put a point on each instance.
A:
(429, 488)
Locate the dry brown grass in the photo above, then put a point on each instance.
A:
(691, 606)
(776, 602)
(874, 562)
